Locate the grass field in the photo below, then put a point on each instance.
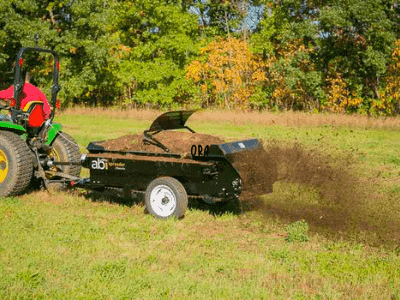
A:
(341, 174)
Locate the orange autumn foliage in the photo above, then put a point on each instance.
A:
(227, 73)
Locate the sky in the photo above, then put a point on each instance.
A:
(251, 21)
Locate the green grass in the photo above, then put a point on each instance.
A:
(63, 246)
(75, 246)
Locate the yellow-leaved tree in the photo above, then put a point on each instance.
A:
(227, 73)
(340, 96)
(389, 97)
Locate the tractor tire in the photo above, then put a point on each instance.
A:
(166, 197)
(65, 149)
(16, 164)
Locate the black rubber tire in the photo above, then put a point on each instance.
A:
(175, 190)
(20, 164)
(68, 151)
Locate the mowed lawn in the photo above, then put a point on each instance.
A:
(78, 245)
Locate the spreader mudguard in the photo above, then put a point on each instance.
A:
(234, 147)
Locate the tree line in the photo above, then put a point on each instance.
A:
(314, 55)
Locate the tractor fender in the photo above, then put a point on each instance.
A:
(18, 129)
(53, 132)
(9, 126)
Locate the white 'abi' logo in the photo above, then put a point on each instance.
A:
(99, 164)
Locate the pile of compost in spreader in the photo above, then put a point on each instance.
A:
(256, 168)
(176, 142)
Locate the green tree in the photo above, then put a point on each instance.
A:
(294, 80)
(352, 40)
(160, 39)
(78, 30)
(358, 37)
(131, 50)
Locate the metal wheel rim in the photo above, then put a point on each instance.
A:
(54, 154)
(163, 200)
(3, 166)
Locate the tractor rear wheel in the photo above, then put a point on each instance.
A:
(16, 164)
(65, 149)
(166, 197)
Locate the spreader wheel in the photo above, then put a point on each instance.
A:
(166, 197)
(16, 164)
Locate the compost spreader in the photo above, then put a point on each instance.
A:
(170, 164)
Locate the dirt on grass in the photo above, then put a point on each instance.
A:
(341, 198)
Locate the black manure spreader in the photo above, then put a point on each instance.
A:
(211, 172)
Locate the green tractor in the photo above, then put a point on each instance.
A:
(30, 144)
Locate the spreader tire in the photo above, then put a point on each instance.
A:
(16, 164)
(166, 197)
(65, 149)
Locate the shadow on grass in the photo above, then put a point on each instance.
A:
(233, 206)
(119, 197)
(339, 223)
(114, 196)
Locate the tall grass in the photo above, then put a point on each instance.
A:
(289, 118)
